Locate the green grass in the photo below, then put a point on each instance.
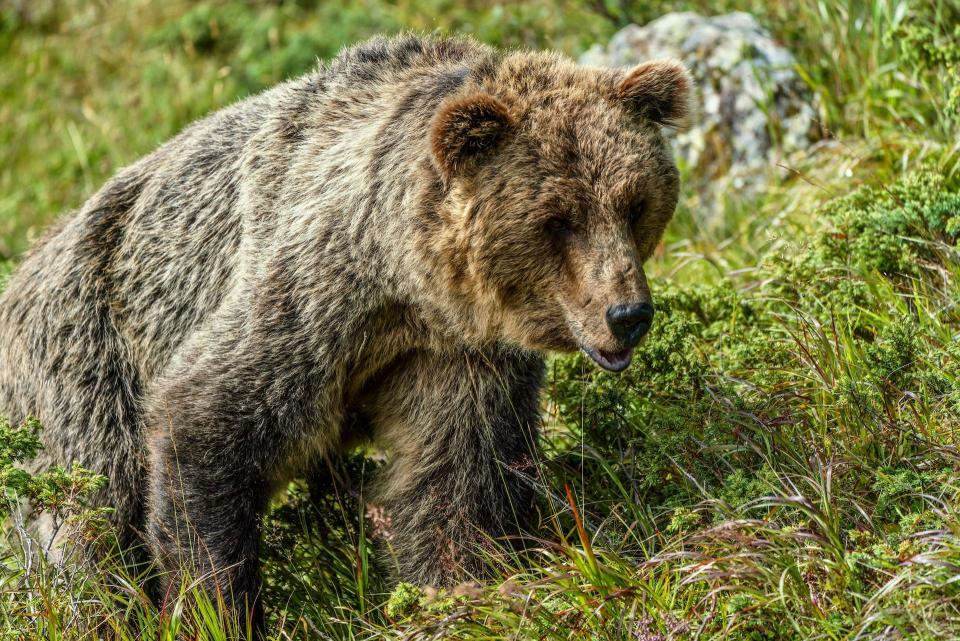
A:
(781, 462)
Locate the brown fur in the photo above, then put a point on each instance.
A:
(465, 131)
(383, 248)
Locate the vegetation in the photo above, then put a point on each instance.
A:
(780, 462)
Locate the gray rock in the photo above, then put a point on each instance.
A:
(753, 108)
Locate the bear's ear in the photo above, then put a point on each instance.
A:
(660, 90)
(466, 129)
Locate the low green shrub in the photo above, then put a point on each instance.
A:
(807, 423)
(63, 493)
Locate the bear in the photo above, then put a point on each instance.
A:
(383, 250)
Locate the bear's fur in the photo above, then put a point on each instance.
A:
(380, 250)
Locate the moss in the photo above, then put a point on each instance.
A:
(404, 600)
(900, 494)
(933, 49)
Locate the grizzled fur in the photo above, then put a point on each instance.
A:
(380, 250)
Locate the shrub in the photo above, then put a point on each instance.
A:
(63, 493)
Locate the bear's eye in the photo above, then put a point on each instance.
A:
(559, 227)
(636, 212)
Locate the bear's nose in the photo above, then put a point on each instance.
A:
(630, 323)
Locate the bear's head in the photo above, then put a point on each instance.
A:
(558, 184)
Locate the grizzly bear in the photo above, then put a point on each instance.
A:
(379, 251)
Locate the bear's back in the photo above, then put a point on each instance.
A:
(156, 249)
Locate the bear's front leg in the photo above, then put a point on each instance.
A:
(461, 431)
(224, 423)
(204, 518)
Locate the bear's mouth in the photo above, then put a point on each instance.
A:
(610, 361)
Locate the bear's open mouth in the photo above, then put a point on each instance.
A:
(610, 361)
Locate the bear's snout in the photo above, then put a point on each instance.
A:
(630, 323)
